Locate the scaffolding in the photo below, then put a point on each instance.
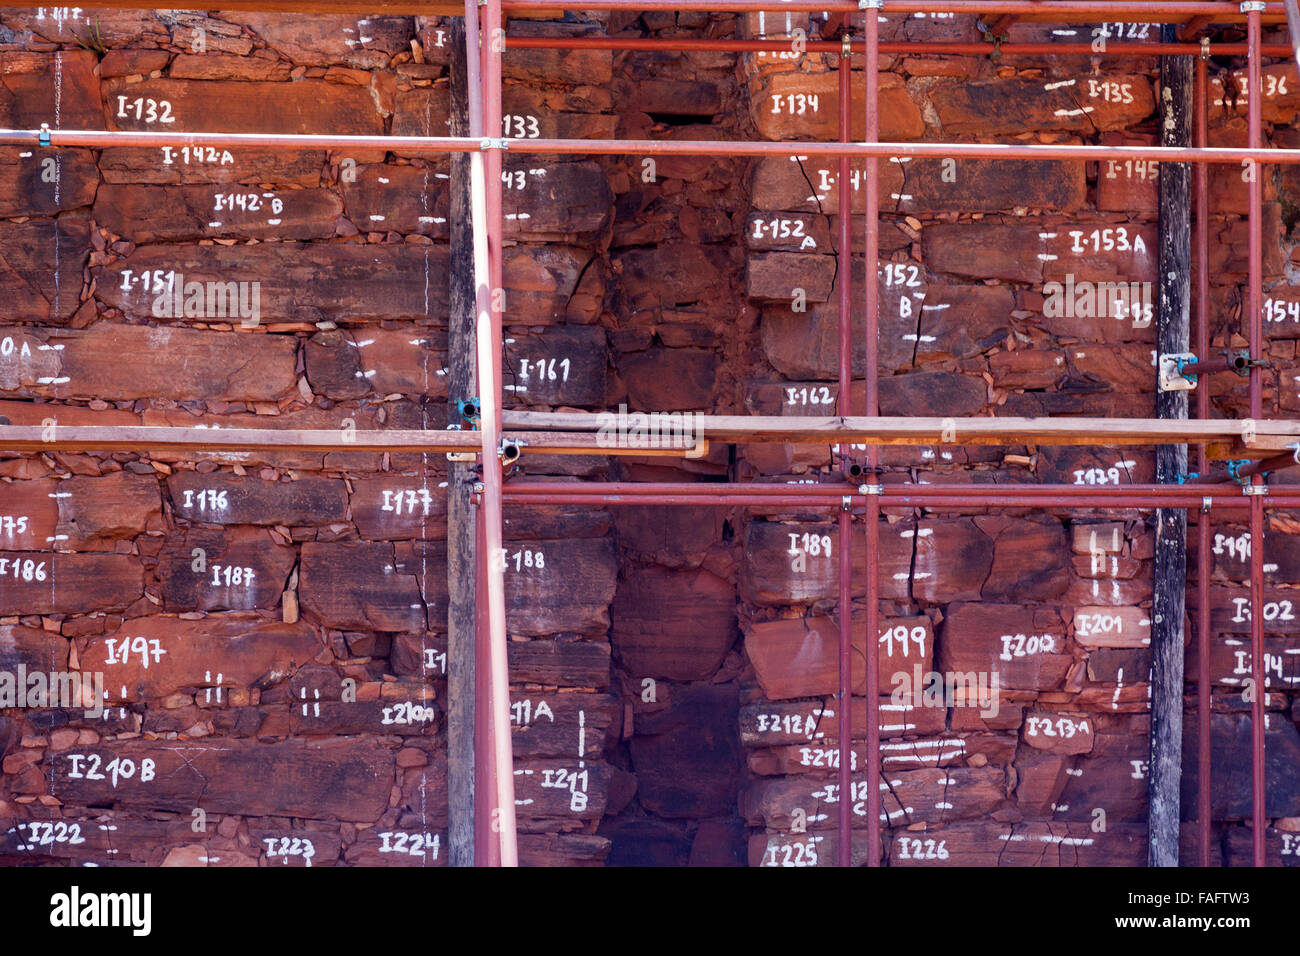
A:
(861, 495)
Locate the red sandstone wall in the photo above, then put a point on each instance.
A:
(690, 650)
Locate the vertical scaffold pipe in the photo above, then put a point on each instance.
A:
(1256, 336)
(1204, 685)
(490, 305)
(845, 407)
(871, 191)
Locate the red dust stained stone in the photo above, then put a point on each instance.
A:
(663, 379)
(297, 282)
(810, 184)
(95, 512)
(1025, 646)
(67, 583)
(397, 507)
(1034, 843)
(59, 89)
(919, 323)
(562, 663)
(677, 625)
(912, 797)
(29, 514)
(344, 779)
(800, 657)
(321, 40)
(685, 758)
(947, 394)
(1058, 732)
(554, 724)
(40, 268)
(782, 567)
(670, 275)
(952, 560)
(1231, 552)
(203, 106)
(343, 365)
(355, 585)
(1113, 776)
(986, 185)
(36, 185)
(32, 647)
(778, 277)
(670, 536)
(175, 363)
(246, 650)
(542, 798)
(561, 365)
(240, 569)
(1012, 105)
(172, 213)
(1029, 558)
(557, 586)
(1230, 763)
(148, 164)
(806, 106)
(235, 499)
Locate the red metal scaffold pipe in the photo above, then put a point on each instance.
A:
(1098, 11)
(871, 190)
(912, 47)
(1256, 336)
(648, 147)
(843, 276)
(497, 801)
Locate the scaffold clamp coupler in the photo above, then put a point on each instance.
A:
(1252, 6)
(1171, 377)
(1205, 48)
(846, 42)
(871, 4)
(509, 450)
(1206, 502)
(45, 134)
(846, 502)
(469, 410)
(460, 457)
(1252, 490)
(493, 142)
(871, 489)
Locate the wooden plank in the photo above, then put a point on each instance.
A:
(898, 430)
(1174, 299)
(534, 430)
(461, 566)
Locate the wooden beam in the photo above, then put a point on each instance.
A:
(1169, 575)
(224, 441)
(461, 564)
(580, 433)
(931, 431)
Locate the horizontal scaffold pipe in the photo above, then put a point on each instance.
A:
(1097, 11)
(615, 147)
(625, 428)
(910, 47)
(898, 501)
